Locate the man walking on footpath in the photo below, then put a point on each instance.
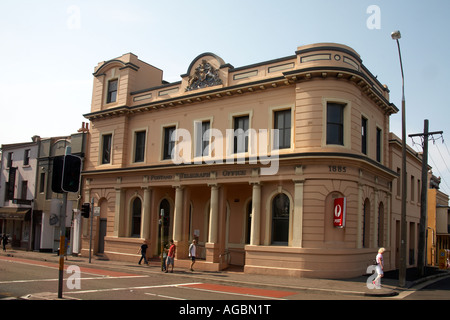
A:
(171, 256)
(143, 251)
(193, 253)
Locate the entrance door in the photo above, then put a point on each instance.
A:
(101, 236)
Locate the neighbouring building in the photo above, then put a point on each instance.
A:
(282, 167)
(17, 191)
(438, 221)
(49, 202)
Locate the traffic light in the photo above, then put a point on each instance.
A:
(66, 174)
(85, 209)
(58, 164)
(71, 173)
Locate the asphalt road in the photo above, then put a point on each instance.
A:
(38, 280)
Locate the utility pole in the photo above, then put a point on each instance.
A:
(421, 254)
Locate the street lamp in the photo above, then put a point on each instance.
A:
(402, 269)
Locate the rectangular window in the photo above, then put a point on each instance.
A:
(282, 122)
(139, 148)
(168, 143)
(112, 91)
(379, 144)
(42, 183)
(412, 188)
(335, 123)
(364, 135)
(399, 184)
(419, 186)
(202, 138)
(106, 148)
(24, 190)
(241, 134)
(9, 161)
(26, 157)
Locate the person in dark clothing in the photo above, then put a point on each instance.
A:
(4, 241)
(143, 251)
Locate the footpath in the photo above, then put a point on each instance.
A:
(351, 287)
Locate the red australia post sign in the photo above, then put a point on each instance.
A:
(340, 207)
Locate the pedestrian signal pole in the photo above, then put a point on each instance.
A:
(66, 178)
(62, 240)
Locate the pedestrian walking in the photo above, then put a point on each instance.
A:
(171, 256)
(4, 241)
(193, 253)
(379, 267)
(164, 257)
(143, 251)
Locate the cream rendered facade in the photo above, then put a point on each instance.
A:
(279, 223)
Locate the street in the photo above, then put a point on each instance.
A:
(38, 280)
(29, 279)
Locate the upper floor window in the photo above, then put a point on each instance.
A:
(379, 144)
(106, 148)
(169, 144)
(202, 138)
(241, 125)
(112, 91)
(335, 123)
(282, 123)
(26, 157)
(9, 161)
(139, 148)
(24, 190)
(364, 135)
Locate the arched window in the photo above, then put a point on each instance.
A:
(280, 219)
(366, 224)
(381, 225)
(136, 212)
(249, 222)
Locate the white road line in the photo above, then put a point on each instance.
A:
(162, 296)
(236, 294)
(49, 280)
(135, 288)
(82, 272)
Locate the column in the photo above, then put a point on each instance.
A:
(178, 214)
(118, 209)
(145, 220)
(297, 230)
(213, 214)
(255, 232)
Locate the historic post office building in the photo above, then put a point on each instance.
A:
(282, 167)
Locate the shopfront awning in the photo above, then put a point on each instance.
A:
(15, 213)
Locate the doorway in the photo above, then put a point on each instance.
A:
(101, 236)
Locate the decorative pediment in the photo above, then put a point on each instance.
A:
(205, 75)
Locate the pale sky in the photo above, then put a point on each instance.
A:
(49, 49)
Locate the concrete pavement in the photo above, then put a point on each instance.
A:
(352, 287)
